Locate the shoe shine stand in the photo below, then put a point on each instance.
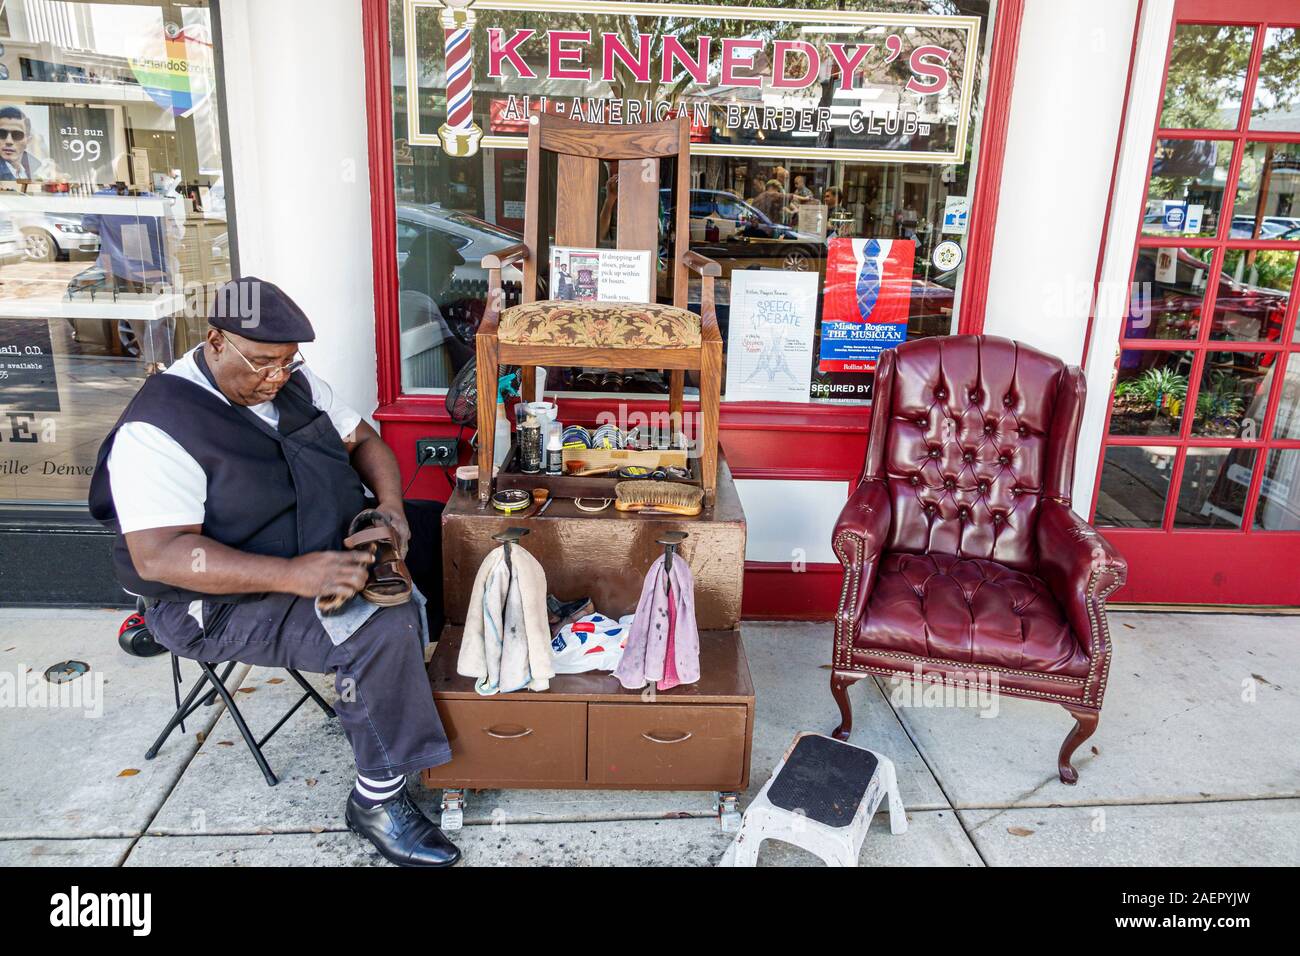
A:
(587, 731)
(822, 798)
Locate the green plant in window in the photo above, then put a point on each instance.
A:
(1139, 401)
(1160, 386)
(1219, 401)
(1270, 268)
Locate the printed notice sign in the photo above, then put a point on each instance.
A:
(601, 275)
(956, 212)
(28, 380)
(769, 341)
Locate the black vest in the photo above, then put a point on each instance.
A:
(281, 491)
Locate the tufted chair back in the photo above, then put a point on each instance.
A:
(971, 433)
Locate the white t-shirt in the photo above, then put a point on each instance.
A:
(157, 484)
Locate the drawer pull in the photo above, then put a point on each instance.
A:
(656, 739)
(492, 732)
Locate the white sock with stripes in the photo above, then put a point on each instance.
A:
(372, 791)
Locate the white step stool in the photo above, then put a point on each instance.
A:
(822, 798)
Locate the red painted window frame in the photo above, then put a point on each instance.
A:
(1262, 561)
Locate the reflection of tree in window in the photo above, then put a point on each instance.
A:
(1207, 72)
(1277, 92)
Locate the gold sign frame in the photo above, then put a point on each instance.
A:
(417, 136)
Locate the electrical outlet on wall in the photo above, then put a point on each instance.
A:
(437, 451)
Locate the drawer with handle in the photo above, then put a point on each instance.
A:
(661, 745)
(504, 743)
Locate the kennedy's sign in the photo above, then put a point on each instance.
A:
(760, 80)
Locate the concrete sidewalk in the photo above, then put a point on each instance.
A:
(1196, 761)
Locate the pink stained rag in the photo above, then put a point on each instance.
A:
(663, 644)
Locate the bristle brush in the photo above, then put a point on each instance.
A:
(668, 497)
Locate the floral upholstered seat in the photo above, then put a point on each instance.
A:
(616, 325)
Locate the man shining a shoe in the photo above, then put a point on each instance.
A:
(231, 480)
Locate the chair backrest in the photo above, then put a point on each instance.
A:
(971, 433)
(580, 149)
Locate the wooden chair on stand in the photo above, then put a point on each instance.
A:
(604, 334)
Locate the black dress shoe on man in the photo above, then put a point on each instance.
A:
(401, 833)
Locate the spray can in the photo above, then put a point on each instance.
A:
(555, 451)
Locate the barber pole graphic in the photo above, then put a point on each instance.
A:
(460, 135)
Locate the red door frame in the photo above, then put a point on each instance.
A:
(757, 436)
(1219, 566)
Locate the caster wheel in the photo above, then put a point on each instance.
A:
(453, 810)
(729, 815)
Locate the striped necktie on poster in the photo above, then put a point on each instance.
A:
(868, 279)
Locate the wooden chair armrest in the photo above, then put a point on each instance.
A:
(701, 265)
(503, 257)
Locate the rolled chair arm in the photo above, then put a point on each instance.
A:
(701, 265)
(859, 538)
(504, 257)
(494, 262)
(1081, 569)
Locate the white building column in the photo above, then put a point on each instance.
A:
(296, 100)
(1066, 108)
(1117, 258)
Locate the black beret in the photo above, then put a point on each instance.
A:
(260, 311)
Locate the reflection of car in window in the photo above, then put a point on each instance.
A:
(50, 236)
(12, 247)
(1271, 227)
(437, 324)
(736, 233)
(1243, 310)
(472, 237)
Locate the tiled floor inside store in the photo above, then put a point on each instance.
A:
(1196, 761)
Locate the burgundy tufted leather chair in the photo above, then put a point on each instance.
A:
(962, 559)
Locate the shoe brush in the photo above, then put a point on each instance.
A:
(667, 497)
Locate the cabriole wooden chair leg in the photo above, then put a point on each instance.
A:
(1085, 722)
(840, 691)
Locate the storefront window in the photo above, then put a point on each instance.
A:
(838, 142)
(113, 229)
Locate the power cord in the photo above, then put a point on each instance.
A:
(425, 459)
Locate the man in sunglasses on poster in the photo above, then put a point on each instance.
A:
(15, 136)
(231, 479)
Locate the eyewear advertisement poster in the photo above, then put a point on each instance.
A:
(867, 300)
(600, 275)
(66, 143)
(769, 343)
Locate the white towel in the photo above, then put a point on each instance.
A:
(507, 641)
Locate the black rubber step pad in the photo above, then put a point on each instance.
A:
(825, 779)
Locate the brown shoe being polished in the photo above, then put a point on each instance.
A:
(388, 582)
